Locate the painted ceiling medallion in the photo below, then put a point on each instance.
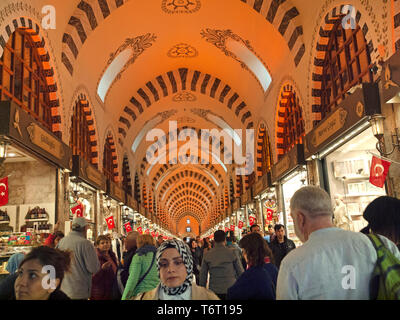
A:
(182, 50)
(184, 96)
(186, 120)
(180, 6)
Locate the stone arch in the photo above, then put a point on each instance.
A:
(321, 49)
(33, 29)
(262, 140)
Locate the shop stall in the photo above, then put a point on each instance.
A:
(343, 145)
(130, 212)
(249, 210)
(115, 198)
(34, 163)
(261, 192)
(86, 185)
(289, 175)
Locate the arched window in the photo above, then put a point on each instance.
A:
(82, 138)
(347, 63)
(290, 127)
(23, 79)
(126, 177)
(110, 160)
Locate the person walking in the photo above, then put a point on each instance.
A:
(383, 217)
(196, 254)
(258, 282)
(77, 283)
(231, 244)
(143, 275)
(223, 265)
(281, 245)
(319, 269)
(130, 247)
(104, 279)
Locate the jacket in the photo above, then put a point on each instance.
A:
(103, 280)
(256, 283)
(138, 267)
(128, 255)
(224, 267)
(238, 251)
(78, 282)
(198, 293)
(280, 250)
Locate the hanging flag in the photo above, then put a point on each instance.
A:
(226, 229)
(110, 222)
(147, 231)
(78, 210)
(140, 230)
(270, 214)
(165, 237)
(128, 227)
(153, 234)
(3, 191)
(240, 224)
(379, 171)
(232, 227)
(157, 234)
(252, 220)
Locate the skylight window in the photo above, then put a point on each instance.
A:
(251, 60)
(112, 71)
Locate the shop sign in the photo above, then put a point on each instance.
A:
(84, 170)
(390, 78)
(131, 202)
(20, 126)
(261, 185)
(364, 101)
(114, 191)
(290, 161)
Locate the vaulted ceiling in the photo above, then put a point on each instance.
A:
(189, 61)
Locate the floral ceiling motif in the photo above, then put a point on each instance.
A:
(182, 50)
(184, 96)
(180, 6)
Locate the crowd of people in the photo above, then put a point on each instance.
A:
(259, 267)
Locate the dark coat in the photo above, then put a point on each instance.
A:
(280, 250)
(256, 283)
(104, 280)
(128, 255)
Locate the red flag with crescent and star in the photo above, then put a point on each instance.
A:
(78, 210)
(232, 227)
(379, 171)
(128, 227)
(3, 191)
(252, 220)
(110, 222)
(270, 214)
(140, 230)
(240, 224)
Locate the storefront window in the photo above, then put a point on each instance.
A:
(289, 187)
(348, 171)
(22, 78)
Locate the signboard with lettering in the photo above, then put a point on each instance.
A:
(354, 109)
(115, 192)
(18, 125)
(85, 171)
(390, 79)
(289, 162)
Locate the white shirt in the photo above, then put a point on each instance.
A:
(317, 270)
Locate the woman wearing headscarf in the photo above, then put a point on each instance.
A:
(175, 268)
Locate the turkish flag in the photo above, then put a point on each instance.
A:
(153, 234)
(157, 235)
(270, 214)
(140, 230)
(110, 222)
(3, 191)
(226, 229)
(379, 171)
(165, 237)
(128, 227)
(78, 210)
(232, 227)
(240, 224)
(252, 220)
(147, 231)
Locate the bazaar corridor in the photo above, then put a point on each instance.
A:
(149, 149)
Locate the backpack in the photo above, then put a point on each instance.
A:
(385, 283)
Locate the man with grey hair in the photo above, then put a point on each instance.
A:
(77, 283)
(332, 264)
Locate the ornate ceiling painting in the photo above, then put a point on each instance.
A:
(201, 64)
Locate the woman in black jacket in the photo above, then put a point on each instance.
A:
(196, 253)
